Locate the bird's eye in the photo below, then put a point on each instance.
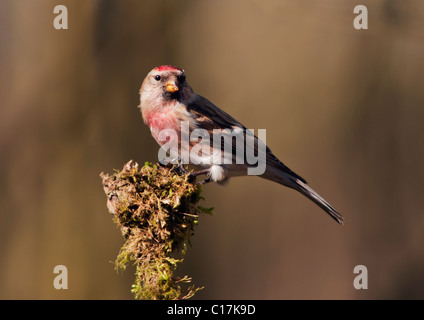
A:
(182, 78)
(157, 77)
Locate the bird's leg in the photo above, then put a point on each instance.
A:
(207, 180)
(200, 172)
(180, 168)
(177, 166)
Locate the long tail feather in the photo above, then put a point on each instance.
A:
(285, 176)
(315, 197)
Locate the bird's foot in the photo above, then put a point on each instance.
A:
(200, 172)
(207, 180)
(175, 165)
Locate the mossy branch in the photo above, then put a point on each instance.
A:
(156, 207)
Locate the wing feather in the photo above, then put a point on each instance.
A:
(209, 117)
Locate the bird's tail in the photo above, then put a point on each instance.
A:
(293, 181)
(315, 197)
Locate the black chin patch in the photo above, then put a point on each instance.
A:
(172, 95)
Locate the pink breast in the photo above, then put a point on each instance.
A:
(159, 121)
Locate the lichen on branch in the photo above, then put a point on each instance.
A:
(156, 207)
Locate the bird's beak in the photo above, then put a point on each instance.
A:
(171, 87)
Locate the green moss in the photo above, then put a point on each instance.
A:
(156, 209)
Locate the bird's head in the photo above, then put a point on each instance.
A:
(165, 84)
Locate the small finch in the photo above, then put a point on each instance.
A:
(167, 101)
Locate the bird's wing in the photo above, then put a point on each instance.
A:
(209, 117)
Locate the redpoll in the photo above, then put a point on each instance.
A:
(196, 131)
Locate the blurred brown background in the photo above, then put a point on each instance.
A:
(343, 108)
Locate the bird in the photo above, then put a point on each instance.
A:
(167, 101)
